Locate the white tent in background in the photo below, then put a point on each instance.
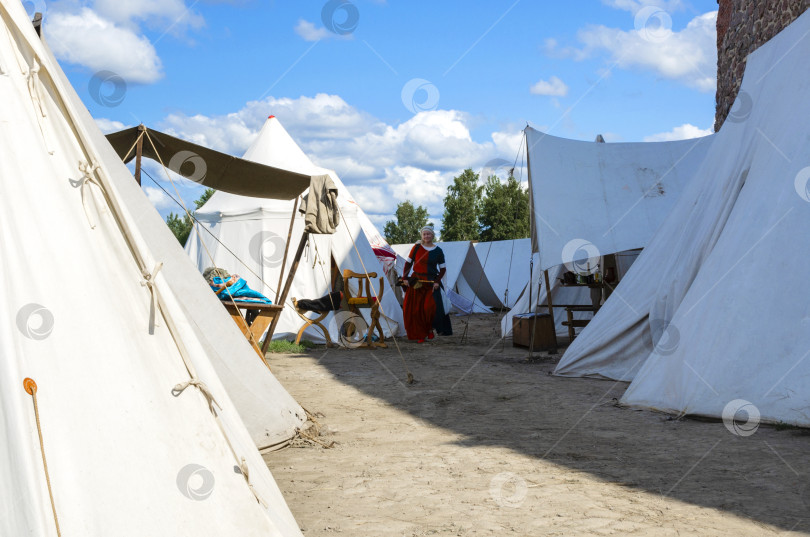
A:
(246, 235)
(506, 264)
(464, 274)
(134, 415)
(714, 319)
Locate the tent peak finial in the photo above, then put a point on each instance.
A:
(271, 116)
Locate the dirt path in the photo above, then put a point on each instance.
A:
(486, 442)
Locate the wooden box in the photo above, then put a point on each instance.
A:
(545, 337)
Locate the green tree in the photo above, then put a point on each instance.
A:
(409, 221)
(462, 208)
(181, 224)
(505, 210)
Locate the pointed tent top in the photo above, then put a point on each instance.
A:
(271, 116)
(275, 147)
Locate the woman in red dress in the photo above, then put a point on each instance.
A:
(422, 308)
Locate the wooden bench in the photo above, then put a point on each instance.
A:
(265, 313)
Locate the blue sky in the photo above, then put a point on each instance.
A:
(397, 97)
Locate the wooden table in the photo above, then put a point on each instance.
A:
(253, 332)
(571, 323)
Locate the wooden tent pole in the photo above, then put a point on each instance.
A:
(548, 298)
(287, 285)
(139, 153)
(286, 248)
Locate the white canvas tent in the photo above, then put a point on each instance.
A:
(506, 264)
(593, 199)
(590, 199)
(464, 275)
(714, 318)
(246, 236)
(127, 453)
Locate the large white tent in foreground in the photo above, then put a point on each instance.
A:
(247, 236)
(712, 316)
(129, 349)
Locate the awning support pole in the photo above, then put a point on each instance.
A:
(287, 285)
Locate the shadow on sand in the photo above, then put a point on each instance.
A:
(495, 394)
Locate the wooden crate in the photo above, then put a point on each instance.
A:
(545, 337)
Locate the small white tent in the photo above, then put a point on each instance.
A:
(713, 318)
(140, 435)
(464, 274)
(247, 236)
(506, 264)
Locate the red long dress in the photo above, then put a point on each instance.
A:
(419, 306)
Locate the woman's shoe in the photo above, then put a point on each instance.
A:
(420, 341)
(431, 336)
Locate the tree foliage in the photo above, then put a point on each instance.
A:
(462, 207)
(504, 211)
(181, 224)
(409, 220)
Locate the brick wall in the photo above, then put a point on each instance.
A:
(742, 26)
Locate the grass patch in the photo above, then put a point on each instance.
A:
(782, 426)
(288, 347)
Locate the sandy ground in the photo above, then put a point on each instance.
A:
(486, 442)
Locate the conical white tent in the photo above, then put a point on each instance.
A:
(714, 319)
(247, 236)
(140, 435)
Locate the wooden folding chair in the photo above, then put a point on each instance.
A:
(365, 299)
(316, 322)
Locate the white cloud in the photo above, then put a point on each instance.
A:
(309, 32)
(158, 198)
(87, 39)
(684, 132)
(634, 6)
(108, 125)
(688, 56)
(381, 164)
(553, 87)
(164, 15)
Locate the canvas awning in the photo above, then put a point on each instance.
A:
(590, 199)
(211, 168)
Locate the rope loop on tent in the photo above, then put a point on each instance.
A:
(88, 170)
(31, 389)
(38, 100)
(204, 389)
(35, 88)
(149, 282)
(243, 467)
